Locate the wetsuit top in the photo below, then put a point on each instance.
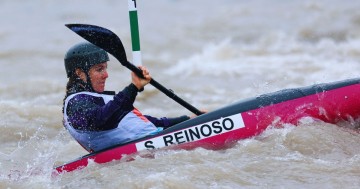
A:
(98, 121)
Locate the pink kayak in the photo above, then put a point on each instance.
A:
(330, 102)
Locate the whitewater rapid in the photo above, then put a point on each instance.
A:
(211, 53)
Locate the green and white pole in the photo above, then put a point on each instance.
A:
(135, 37)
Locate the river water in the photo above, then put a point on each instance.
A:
(211, 53)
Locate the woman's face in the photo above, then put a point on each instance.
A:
(98, 75)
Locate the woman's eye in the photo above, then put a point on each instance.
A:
(101, 69)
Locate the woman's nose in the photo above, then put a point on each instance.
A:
(105, 74)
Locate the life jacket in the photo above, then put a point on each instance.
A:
(133, 126)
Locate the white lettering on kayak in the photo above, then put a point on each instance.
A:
(194, 133)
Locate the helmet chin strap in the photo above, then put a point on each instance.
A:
(88, 85)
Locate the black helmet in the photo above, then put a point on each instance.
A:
(83, 56)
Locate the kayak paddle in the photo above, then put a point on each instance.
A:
(112, 44)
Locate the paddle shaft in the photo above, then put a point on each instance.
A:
(135, 36)
(160, 87)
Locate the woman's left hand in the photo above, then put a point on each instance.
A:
(202, 111)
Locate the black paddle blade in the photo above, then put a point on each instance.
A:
(102, 38)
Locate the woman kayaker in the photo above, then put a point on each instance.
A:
(98, 119)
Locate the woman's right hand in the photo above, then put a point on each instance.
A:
(141, 82)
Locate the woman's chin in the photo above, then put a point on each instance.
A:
(99, 89)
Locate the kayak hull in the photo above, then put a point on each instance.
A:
(330, 102)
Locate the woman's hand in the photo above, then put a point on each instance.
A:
(140, 82)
